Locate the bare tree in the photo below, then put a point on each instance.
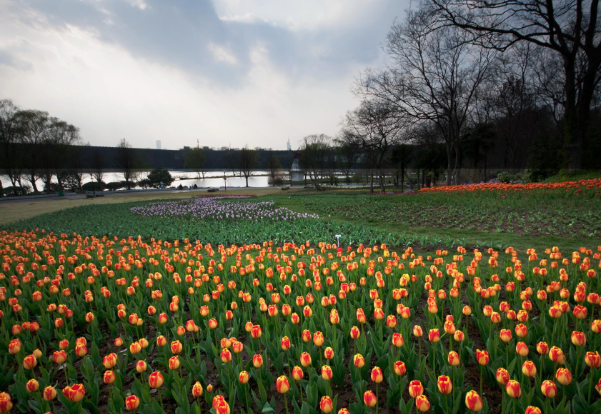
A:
(195, 160)
(274, 165)
(10, 136)
(97, 167)
(347, 156)
(58, 149)
(127, 162)
(34, 125)
(375, 128)
(436, 77)
(314, 155)
(568, 28)
(248, 161)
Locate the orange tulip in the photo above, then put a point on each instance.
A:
(529, 369)
(297, 373)
(453, 359)
(75, 392)
(369, 398)
(326, 405)
(358, 360)
(197, 389)
(326, 372)
(176, 347)
(29, 362)
(578, 338)
(434, 335)
(132, 403)
(399, 368)
(445, 385)
(109, 377)
(505, 335)
(513, 389)
(473, 402)
(592, 359)
(415, 388)
(502, 376)
(318, 338)
(563, 376)
(549, 389)
(482, 357)
(155, 380)
(422, 403)
(305, 359)
(5, 402)
(49, 393)
(258, 360)
(282, 384)
(32, 385)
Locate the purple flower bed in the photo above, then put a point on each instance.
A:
(220, 208)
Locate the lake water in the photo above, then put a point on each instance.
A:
(211, 179)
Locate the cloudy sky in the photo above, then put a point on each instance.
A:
(223, 72)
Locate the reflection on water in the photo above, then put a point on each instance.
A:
(211, 179)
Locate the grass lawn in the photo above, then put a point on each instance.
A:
(525, 219)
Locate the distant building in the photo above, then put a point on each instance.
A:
(158, 144)
(288, 146)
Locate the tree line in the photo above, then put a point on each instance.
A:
(504, 83)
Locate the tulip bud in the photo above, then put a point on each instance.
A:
(132, 403)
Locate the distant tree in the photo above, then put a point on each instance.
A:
(314, 154)
(97, 167)
(274, 166)
(159, 175)
(33, 126)
(232, 160)
(9, 138)
(400, 158)
(195, 160)
(569, 29)
(347, 156)
(248, 161)
(73, 176)
(374, 127)
(478, 144)
(127, 162)
(436, 76)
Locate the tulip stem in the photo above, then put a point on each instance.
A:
(377, 397)
(481, 380)
(286, 402)
(590, 387)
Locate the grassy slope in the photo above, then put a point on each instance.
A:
(470, 238)
(13, 211)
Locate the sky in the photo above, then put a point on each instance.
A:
(213, 72)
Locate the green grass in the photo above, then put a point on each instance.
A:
(433, 220)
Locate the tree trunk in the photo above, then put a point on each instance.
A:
(449, 163)
(402, 177)
(456, 169)
(32, 180)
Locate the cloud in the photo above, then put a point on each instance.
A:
(230, 71)
(221, 54)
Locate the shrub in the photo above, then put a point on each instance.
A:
(115, 185)
(157, 175)
(94, 186)
(15, 191)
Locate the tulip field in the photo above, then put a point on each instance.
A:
(241, 305)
